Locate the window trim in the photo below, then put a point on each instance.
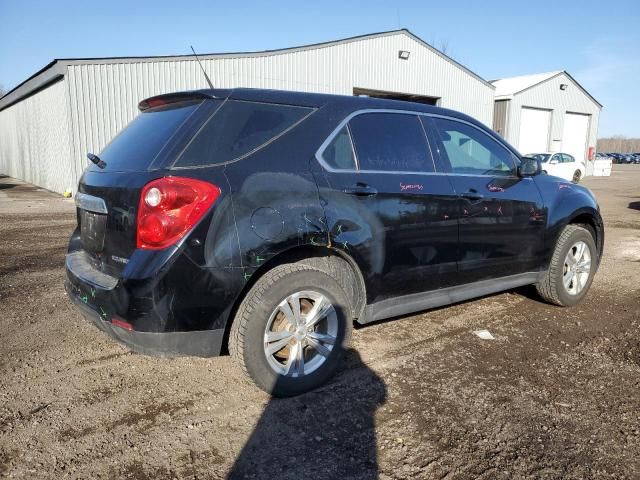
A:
(345, 121)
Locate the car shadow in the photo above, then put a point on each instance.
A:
(327, 433)
(528, 291)
(634, 205)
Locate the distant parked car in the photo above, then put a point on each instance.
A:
(560, 165)
(617, 157)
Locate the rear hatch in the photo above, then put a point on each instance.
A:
(174, 136)
(109, 194)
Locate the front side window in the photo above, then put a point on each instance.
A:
(390, 142)
(238, 128)
(470, 151)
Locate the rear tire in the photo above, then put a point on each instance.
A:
(287, 350)
(571, 269)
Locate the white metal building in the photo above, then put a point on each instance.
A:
(547, 112)
(73, 106)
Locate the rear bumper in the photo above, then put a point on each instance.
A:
(199, 343)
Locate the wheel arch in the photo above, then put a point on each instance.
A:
(592, 221)
(336, 260)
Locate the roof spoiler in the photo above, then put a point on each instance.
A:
(168, 98)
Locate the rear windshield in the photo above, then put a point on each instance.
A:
(237, 129)
(135, 147)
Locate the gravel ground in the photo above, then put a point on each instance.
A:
(555, 395)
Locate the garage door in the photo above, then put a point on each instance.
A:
(534, 130)
(574, 135)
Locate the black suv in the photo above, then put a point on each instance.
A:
(266, 222)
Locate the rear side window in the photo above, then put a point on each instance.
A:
(135, 147)
(339, 153)
(390, 142)
(239, 128)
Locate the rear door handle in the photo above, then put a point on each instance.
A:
(473, 195)
(360, 190)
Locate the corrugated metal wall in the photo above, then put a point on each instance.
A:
(35, 140)
(549, 96)
(103, 96)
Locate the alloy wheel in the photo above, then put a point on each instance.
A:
(301, 333)
(577, 268)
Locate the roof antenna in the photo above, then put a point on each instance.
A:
(202, 68)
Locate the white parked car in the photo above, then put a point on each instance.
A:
(561, 165)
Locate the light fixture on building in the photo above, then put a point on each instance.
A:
(404, 55)
(563, 86)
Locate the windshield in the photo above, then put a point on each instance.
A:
(541, 157)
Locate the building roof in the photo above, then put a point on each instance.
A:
(57, 68)
(512, 85)
(506, 88)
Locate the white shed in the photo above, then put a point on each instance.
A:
(73, 106)
(547, 112)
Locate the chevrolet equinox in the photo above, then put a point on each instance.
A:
(264, 223)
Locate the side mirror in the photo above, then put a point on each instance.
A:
(553, 162)
(529, 167)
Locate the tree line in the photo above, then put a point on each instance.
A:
(619, 144)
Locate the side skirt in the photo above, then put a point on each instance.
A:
(394, 307)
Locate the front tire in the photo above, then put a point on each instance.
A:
(572, 267)
(577, 176)
(291, 329)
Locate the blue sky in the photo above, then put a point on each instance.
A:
(598, 42)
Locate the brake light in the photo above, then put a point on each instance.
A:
(169, 209)
(156, 102)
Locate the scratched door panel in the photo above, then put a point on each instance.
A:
(400, 224)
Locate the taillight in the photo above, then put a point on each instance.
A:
(169, 208)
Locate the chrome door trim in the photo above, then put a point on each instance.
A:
(345, 121)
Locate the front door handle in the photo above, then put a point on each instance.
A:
(360, 190)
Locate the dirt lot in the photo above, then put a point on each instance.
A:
(555, 395)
